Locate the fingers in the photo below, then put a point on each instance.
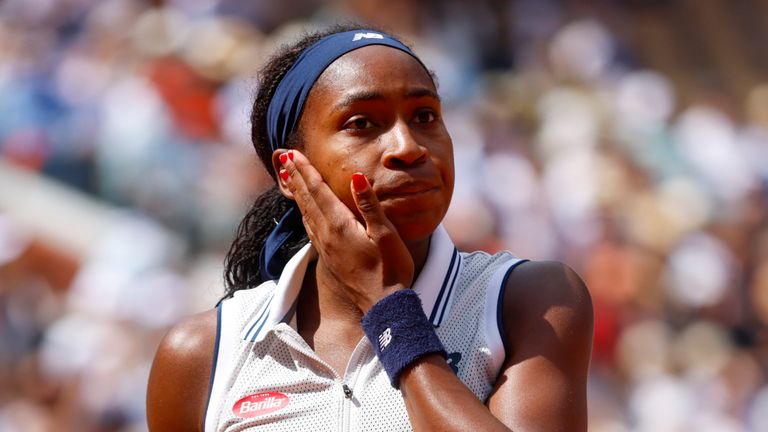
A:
(381, 230)
(363, 254)
(320, 207)
(368, 204)
(323, 211)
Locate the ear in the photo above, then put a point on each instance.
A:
(277, 167)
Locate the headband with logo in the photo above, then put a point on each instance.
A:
(283, 116)
(291, 94)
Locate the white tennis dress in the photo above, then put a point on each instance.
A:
(266, 377)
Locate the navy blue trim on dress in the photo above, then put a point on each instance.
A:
(258, 330)
(215, 361)
(264, 315)
(450, 291)
(436, 306)
(500, 305)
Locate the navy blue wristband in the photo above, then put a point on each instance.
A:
(400, 332)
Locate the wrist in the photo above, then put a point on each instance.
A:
(371, 301)
(400, 332)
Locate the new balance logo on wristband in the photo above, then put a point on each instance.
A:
(385, 338)
(359, 36)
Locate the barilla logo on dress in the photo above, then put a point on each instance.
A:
(259, 404)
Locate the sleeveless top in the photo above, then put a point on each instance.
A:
(266, 377)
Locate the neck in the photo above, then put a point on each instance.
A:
(419, 251)
(323, 296)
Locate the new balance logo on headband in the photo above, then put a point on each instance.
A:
(359, 36)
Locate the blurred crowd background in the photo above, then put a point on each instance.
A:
(626, 138)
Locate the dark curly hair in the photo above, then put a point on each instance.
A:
(241, 265)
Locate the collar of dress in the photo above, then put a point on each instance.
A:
(434, 285)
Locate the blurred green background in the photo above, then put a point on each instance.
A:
(626, 138)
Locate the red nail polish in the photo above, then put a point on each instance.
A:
(359, 182)
(284, 158)
(284, 173)
(290, 154)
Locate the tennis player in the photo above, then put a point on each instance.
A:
(348, 308)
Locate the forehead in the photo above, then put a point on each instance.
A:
(371, 68)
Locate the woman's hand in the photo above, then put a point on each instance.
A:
(369, 258)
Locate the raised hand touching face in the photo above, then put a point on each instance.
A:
(368, 257)
(373, 112)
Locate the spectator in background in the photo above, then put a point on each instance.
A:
(87, 103)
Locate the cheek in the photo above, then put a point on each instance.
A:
(336, 171)
(446, 164)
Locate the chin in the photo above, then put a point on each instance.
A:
(417, 227)
(415, 219)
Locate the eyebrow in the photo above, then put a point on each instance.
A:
(364, 96)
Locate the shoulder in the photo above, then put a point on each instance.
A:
(547, 301)
(544, 282)
(178, 382)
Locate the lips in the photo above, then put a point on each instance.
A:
(405, 189)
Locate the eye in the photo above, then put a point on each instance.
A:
(425, 116)
(358, 123)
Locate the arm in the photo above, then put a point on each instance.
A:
(542, 386)
(548, 321)
(178, 382)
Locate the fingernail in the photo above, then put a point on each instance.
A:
(283, 173)
(290, 154)
(359, 182)
(284, 158)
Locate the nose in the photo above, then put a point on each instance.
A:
(402, 149)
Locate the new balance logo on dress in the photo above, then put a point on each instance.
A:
(453, 361)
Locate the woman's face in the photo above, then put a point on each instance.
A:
(376, 111)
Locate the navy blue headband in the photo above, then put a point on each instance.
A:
(283, 117)
(291, 94)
